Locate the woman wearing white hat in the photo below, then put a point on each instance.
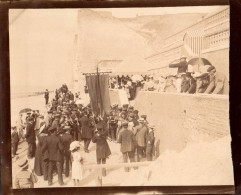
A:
(77, 168)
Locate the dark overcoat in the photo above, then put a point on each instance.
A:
(87, 131)
(102, 147)
(30, 133)
(150, 139)
(54, 147)
(66, 140)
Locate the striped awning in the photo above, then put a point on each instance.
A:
(194, 33)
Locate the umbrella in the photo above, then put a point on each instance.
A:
(25, 110)
(137, 78)
(199, 61)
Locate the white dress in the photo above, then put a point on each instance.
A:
(77, 168)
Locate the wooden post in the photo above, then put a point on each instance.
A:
(99, 177)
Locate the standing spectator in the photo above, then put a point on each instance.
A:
(49, 118)
(126, 139)
(38, 120)
(141, 139)
(102, 147)
(14, 140)
(30, 137)
(182, 68)
(24, 178)
(66, 140)
(87, 132)
(38, 160)
(150, 140)
(46, 96)
(112, 127)
(77, 169)
(55, 148)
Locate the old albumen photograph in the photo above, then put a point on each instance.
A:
(120, 97)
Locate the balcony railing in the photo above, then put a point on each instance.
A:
(210, 20)
(210, 33)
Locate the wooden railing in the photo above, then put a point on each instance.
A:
(216, 35)
(99, 168)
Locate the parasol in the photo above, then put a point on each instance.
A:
(25, 110)
(137, 78)
(199, 61)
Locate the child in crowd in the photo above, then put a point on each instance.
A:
(77, 161)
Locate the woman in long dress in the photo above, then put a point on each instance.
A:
(77, 168)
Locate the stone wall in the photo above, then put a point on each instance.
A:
(181, 119)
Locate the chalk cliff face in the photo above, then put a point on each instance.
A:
(104, 37)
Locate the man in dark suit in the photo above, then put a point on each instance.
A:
(181, 69)
(66, 139)
(150, 140)
(45, 155)
(87, 132)
(188, 84)
(126, 139)
(30, 137)
(56, 121)
(14, 140)
(55, 148)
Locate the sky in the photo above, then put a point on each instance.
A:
(42, 42)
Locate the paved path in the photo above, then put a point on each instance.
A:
(114, 176)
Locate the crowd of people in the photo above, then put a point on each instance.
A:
(206, 80)
(54, 141)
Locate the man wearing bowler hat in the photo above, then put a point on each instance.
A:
(55, 148)
(127, 141)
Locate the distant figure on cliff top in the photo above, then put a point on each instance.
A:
(46, 96)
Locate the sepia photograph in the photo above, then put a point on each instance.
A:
(120, 97)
